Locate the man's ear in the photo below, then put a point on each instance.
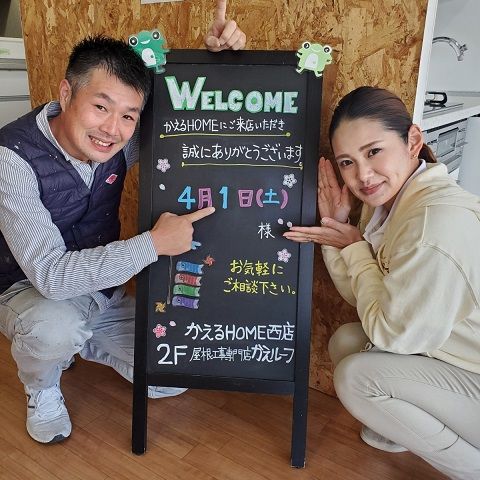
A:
(65, 93)
(415, 140)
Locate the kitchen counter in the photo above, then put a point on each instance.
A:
(470, 107)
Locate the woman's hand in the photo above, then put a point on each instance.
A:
(224, 34)
(333, 201)
(332, 232)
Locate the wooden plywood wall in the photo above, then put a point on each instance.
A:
(375, 42)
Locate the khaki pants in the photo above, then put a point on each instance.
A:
(428, 406)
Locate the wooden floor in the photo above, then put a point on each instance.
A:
(199, 435)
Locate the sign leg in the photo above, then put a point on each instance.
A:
(139, 417)
(299, 425)
(140, 381)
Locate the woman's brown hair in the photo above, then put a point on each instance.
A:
(380, 105)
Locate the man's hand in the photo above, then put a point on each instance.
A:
(173, 234)
(224, 34)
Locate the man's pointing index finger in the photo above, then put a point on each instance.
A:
(199, 214)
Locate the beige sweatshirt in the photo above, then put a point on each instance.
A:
(421, 292)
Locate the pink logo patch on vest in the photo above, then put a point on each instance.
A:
(111, 179)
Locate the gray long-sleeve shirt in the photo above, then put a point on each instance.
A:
(37, 244)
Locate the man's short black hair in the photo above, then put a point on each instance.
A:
(114, 56)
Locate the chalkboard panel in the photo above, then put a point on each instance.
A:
(239, 131)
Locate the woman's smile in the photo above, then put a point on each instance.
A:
(371, 189)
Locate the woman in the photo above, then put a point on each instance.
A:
(410, 369)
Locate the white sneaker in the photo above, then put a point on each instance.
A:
(162, 392)
(68, 363)
(47, 415)
(381, 443)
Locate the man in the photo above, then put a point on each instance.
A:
(62, 168)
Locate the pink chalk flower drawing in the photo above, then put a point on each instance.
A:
(160, 331)
(284, 255)
(163, 164)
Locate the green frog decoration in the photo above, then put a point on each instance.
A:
(150, 46)
(314, 57)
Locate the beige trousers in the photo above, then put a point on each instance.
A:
(428, 406)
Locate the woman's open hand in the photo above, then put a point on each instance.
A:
(332, 232)
(333, 201)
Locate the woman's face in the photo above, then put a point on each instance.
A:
(375, 162)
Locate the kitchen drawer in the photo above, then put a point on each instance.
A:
(13, 82)
(12, 48)
(469, 177)
(13, 107)
(14, 95)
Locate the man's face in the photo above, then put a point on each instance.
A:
(99, 119)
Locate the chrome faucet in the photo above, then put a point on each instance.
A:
(459, 49)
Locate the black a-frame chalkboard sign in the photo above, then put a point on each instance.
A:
(239, 131)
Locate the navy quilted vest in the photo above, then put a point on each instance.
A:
(85, 217)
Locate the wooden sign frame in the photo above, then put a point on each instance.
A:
(299, 386)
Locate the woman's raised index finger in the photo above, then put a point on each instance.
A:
(221, 10)
(330, 174)
(322, 180)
